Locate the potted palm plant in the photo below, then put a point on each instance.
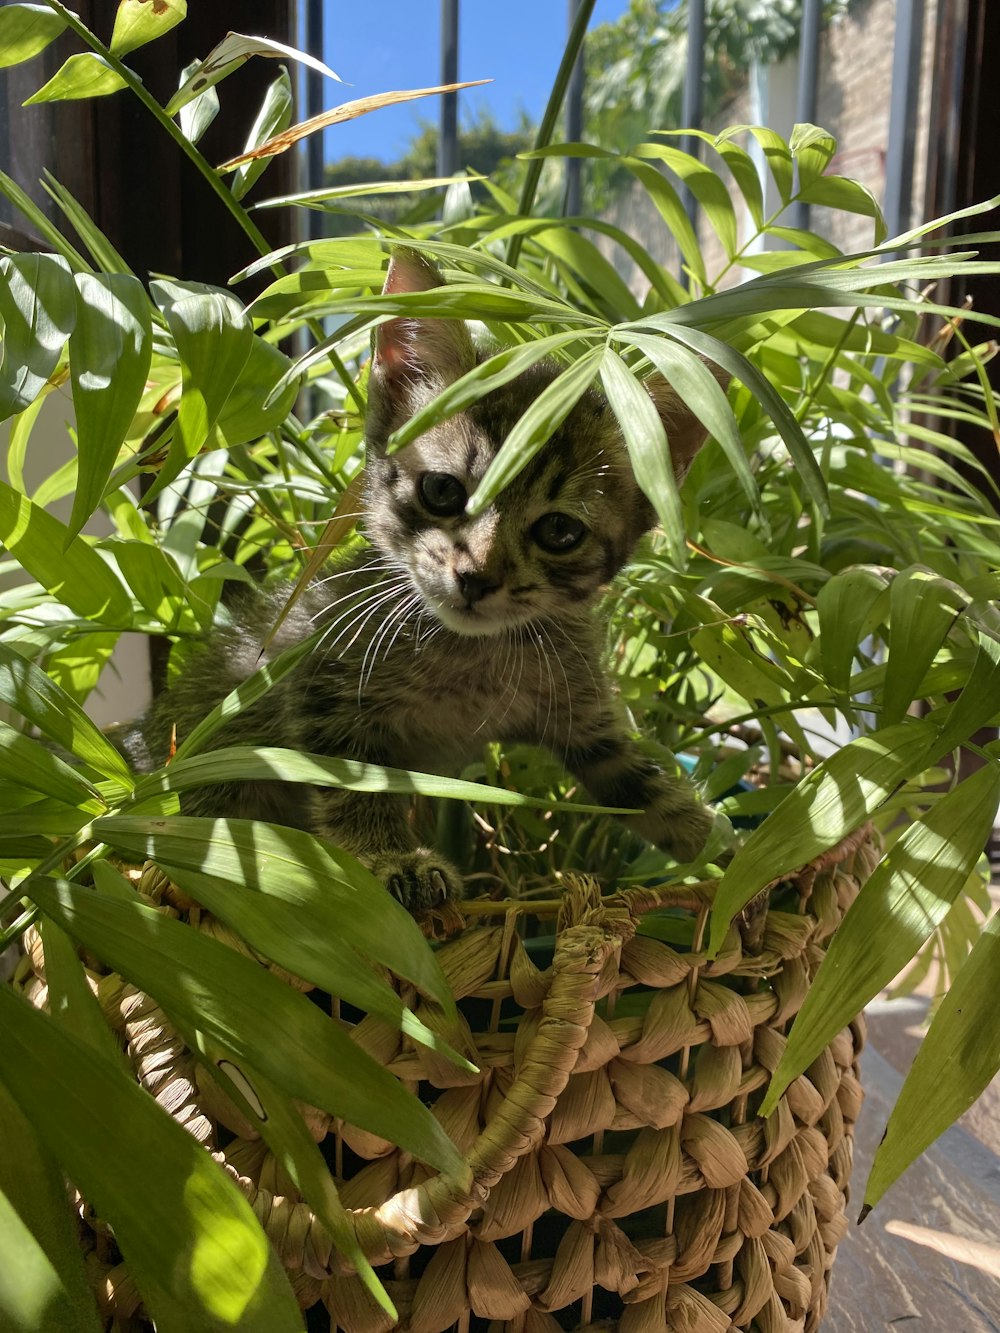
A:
(625, 1122)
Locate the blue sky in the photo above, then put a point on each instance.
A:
(382, 45)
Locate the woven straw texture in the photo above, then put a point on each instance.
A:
(616, 1173)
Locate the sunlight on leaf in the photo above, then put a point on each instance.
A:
(140, 21)
(38, 310)
(906, 897)
(25, 30)
(235, 50)
(190, 1238)
(830, 802)
(83, 75)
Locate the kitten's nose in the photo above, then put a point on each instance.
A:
(474, 587)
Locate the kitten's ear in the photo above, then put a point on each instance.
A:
(438, 350)
(685, 433)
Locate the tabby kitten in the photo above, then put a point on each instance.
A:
(450, 631)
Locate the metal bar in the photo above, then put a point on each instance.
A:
(903, 114)
(693, 101)
(947, 90)
(447, 155)
(805, 100)
(543, 137)
(314, 105)
(573, 201)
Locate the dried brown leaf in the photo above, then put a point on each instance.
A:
(726, 1012)
(438, 1069)
(691, 1312)
(758, 1284)
(779, 1130)
(650, 1174)
(494, 1291)
(653, 963)
(698, 1221)
(372, 1185)
(850, 1096)
(377, 1037)
(457, 1112)
(787, 933)
(779, 1249)
(617, 1263)
(827, 1199)
(793, 1287)
(470, 960)
(717, 1074)
(572, 1269)
(528, 982)
(365, 1144)
(441, 1298)
(515, 1201)
(586, 1106)
(654, 1096)
(791, 985)
(572, 1187)
(669, 1025)
(540, 1321)
(717, 1153)
(647, 1316)
(280, 143)
(599, 1049)
(353, 1308)
(755, 1214)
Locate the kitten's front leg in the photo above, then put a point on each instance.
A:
(617, 773)
(373, 826)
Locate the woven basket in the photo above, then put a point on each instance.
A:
(616, 1172)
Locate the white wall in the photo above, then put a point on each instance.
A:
(123, 691)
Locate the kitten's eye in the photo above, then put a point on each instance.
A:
(558, 533)
(442, 493)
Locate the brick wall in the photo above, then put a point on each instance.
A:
(853, 98)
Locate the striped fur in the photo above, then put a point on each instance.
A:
(449, 631)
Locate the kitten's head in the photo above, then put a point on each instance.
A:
(559, 531)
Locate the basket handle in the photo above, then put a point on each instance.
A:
(427, 1213)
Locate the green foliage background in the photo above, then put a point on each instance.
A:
(832, 558)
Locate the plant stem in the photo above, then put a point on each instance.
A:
(574, 45)
(827, 369)
(232, 205)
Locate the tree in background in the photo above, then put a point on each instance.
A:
(635, 68)
(486, 150)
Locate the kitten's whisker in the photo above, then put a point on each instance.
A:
(329, 606)
(398, 614)
(366, 613)
(569, 693)
(345, 573)
(515, 649)
(354, 600)
(571, 642)
(498, 695)
(543, 660)
(401, 626)
(361, 612)
(357, 600)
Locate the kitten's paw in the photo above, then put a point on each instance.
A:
(682, 827)
(418, 879)
(689, 833)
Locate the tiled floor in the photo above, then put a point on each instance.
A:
(928, 1258)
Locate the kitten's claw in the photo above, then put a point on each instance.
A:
(419, 879)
